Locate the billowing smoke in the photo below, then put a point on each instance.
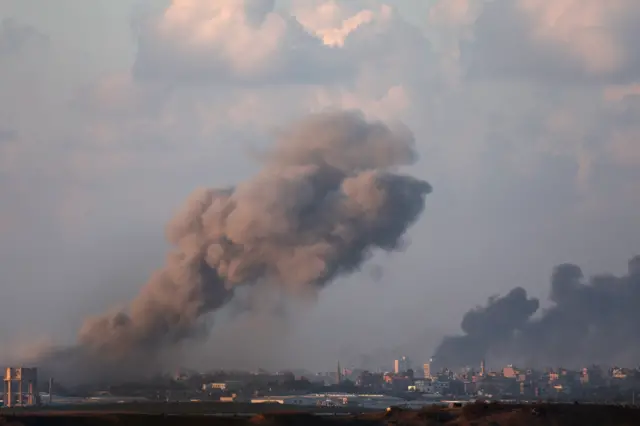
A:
(486, 328)
(326, 197)
(590, 321)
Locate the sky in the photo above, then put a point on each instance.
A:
(525, 114)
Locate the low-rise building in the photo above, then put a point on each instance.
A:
(228, 386)
(440, 386)
(287, 400)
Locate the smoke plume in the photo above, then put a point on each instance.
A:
(327, 196)
(590, 321)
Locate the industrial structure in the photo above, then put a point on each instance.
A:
(22, 376)
(50, 390)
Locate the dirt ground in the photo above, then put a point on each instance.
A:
(470, 415)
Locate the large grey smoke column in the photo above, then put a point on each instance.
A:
(326, 197)
(591, 321)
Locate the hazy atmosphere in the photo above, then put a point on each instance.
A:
(522, 115)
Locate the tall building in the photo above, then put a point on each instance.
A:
(482, 368)
(406, 364)
(427, 370)
(401, 365)
(339, 376)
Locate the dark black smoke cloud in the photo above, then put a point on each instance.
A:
(326, 197)
(593, 320)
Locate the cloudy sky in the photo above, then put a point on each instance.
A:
(111, 112)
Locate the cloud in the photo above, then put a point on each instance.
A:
(361, 54)
(230, 40)
(255, 43)
(333, 22)
(564, 41)
(15, 38)
(380, 63)
(133, 115)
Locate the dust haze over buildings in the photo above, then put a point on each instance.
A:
(592, 320)
(327, 196)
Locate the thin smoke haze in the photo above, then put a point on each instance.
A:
(327, 196)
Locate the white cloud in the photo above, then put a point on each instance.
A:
(393, 73)
(563, 41)
(230, 40)
(333, 21)
(588, 31)
(360, 54)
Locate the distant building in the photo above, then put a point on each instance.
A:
(370, 380)
(423, 385)
(619, 373)
(440, 386)
(401, 383)
(593, 376)
(427, 370)
(288, 400)
(401, 365)
(228, 386)
(470, 387)
(510, 372)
